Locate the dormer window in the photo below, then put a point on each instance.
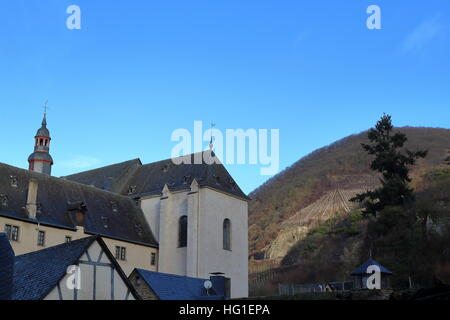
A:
(77, 211)
(13, 181)
(3, 200)
(105, 222)
(139, 229)
(131, 189)
(114, 206)
(165, 168)
(186, 179)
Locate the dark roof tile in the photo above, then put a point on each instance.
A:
(57, 196)
(132, 178)
(174, 287)
(37, 273)
(6, 268)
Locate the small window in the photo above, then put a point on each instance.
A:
(41, 142)
(41, 238)
(227, 234)
(131, 189)
(68, 239)
(12, 232)
(15, 233)
(114, 206)
(138, 281)
(13, 181)
(121, 253)
(182, 232)
(3, 200)
(8, 229)
(153, 258)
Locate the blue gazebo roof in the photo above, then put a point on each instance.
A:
(362, 269)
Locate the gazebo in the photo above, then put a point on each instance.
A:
(360, 275)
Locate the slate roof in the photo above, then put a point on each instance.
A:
(362, 269)
(174, 287)
(40, 156)
(133, 179)
(111, 178)
(108, 214)
(38, 272)
(43, 131)
(6, 267)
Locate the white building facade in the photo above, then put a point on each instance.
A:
(216, 235)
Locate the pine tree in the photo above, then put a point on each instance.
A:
(392, 162)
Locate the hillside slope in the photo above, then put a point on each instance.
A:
(319, 185)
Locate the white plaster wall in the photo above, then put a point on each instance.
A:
(138, 256)
(103, 281)
(151, 208)
(215, 207)
(172, 259)
(206, 210)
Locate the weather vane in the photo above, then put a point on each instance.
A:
(211, 131)
(45, 106)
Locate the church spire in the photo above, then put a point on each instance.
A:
(44, 121)
(41, 160)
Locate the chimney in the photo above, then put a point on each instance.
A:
(221, 284)
(6, 268)
(77, 212)
(32, 198)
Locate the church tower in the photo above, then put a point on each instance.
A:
(41, 160)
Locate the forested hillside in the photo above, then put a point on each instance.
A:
(289, 204)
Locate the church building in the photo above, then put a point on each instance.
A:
(180, 219)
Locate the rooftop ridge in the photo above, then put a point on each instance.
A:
(104, 167)
(168, 274)
(102, 204)
(61, 179)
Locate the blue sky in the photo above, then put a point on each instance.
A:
(137, 70)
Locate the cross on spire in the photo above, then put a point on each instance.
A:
(45, 107)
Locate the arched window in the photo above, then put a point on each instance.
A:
(227, 234)
(182, 232)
